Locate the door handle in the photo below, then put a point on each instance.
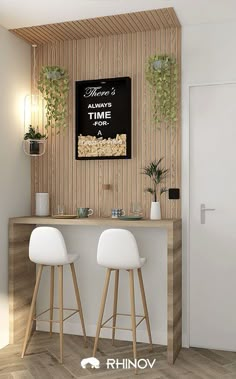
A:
(203, 209)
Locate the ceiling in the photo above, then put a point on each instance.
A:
(23, 13)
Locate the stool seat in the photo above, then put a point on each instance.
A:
(117, 249)
(72, 258)
(124, 266)
(47, 247)
(54, 261)
(142, 262)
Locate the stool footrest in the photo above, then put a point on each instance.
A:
(64, 309)
(121, 314)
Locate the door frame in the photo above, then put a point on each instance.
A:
(185, 185)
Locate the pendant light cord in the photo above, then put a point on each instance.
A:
(34, 67)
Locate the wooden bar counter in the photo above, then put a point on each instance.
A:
(22, 270)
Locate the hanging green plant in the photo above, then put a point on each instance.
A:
(162, 75)
(53, 83)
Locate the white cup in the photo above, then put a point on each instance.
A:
(42, 204)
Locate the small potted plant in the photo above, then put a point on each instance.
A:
(157, 175)
(34, 142)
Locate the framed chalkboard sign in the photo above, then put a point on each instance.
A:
(103, 118)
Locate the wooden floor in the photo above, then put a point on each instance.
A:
(42, 361)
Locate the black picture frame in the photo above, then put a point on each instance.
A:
(103, 118)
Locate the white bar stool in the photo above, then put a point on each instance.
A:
(47, 248)
(118, 250)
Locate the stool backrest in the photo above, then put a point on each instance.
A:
(117, 248)
(47, 246)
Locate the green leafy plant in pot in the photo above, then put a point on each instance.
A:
(53, 83)
(33, 136)
(157, 174)
(162, 75)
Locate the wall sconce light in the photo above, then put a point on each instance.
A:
(34, 143)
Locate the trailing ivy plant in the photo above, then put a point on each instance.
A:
(162, 75)
(53, 83)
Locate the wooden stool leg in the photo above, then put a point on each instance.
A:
(145, 306)
(78, 299)
(103, 302)
(31, 312)
(133, 318)
(51, 298)
(60, 270)
(115, 305)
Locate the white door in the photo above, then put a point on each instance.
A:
(213, 242)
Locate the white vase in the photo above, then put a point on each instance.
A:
(155, 213)
(42, 204)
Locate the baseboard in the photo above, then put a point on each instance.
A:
(123, 335)
(185, 341)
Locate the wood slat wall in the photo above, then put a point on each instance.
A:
(79, 183)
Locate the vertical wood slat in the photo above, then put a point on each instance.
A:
(178, 48)
(79, 183)
(168, 147)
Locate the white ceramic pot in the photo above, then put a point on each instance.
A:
(155, 213)
(42, 204)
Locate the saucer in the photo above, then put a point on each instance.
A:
(64, 216)
(130, 217)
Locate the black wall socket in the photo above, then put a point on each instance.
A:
(174, 193)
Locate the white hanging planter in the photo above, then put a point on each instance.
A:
(157, 64)
(34, 147)
(155, 213)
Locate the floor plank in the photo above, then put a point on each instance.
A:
(41, 361)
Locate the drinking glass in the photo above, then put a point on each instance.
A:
(136, 208)
(60, 209)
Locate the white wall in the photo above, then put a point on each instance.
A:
(15, 71)
(208, 56)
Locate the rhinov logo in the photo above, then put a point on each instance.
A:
(128, 363)
(92, 361)
(115, 364)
